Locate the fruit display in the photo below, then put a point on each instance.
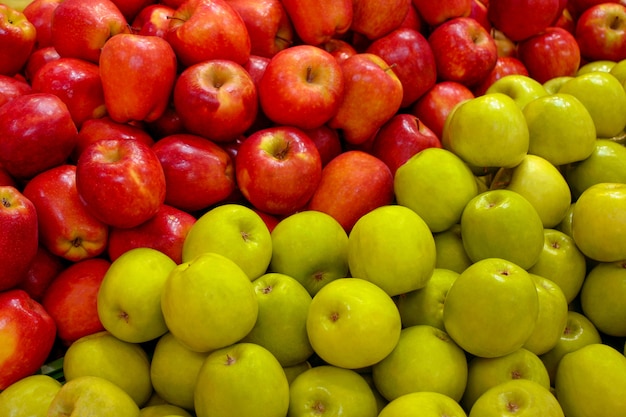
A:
(290, 208)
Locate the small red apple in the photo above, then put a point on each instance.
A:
(39, 13)
(505, 65)
(43, 270)
(375, 19)
(11, 87)
(521, 19)
(17, 40)
(131, 8)
(153, 20)
(318, 21)
(38, 59)
(601, 32)
(435, 13)
(339, 48)
(327, 141)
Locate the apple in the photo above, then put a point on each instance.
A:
(42, 271)
(504, 45)
(552, 86)
(600, 295)
(17, 40)
(618, 69)
(521, 88)
(131, 8)
(436, 13)
(153, 19)
(327, 142)
(566, 224)
(339, 48)
(375, 20)
(11, 87)
(28, 334)
(318, 22)
(36, 133)
(479, 11)
(519, 396)
(126, 169)
(505, 65)
(39, 13)
(37, 59)
(605, 65)
(600, 32)
(521, 19)
(427, 404)
(20, 237)
(163, 410)
(30, 396)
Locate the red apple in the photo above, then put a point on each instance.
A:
(17, 40)
(601, 32)
(504, 45)
(577, 7)
(464, 51)
(131, 8)
(27, 332)
(6, 179)
(153, 20)
(436, 12)
(375, 19)
(36, 133)
(39, 13)
(71, 299)
(66, 228)
(165, 232)
(550, 54)
(43, 270)
(327, 141)
(255, 67)
(38, 59)
(412, 60)
(198, 173)
(278, 169)
(269, 220)
(505, 65)
(352, 184)
(413, 20)
(168, 124)
(318, 21)
(566, 21)
(121, 182)
(19, 237)
(302, 86)
(202, 30)
(480, 13)
(339, 48)
(11, 87)
(521, 19)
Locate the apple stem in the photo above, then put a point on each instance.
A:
(390, 67)
(309, 74)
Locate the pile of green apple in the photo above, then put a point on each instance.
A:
(291, 208)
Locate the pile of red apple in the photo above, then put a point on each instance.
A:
(123, 121)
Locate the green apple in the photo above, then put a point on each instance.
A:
(521, 88)
(29, 397)
(487, 131)
(561, 262)
(234, 231)
(92, 396)
(353, 323)
(129, 298)
(579, 332)
(486, 373)
(491, 308)
(599, 222)
(604, 97)
(163, 410)
(619, 70)
(591, 382)
(539, 182)
(605, 164)
(209, 302)
(281, 324)
(392, 247)
(423, 404)
(552, 317)
(243, 379)
(602, 297)
(517, 397)
(425, 359)
(381, 401)
(502, 224)
(328, 391)
(450, 250)
(553, 85)
(103, 355)
(561, 128)
(310, 246)
(294, 370)
(425, 306)
(173, 371)
(604, 65)
(565, 225)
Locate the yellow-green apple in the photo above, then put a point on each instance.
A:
(28, 334)
(442, 175)
(346, 193)
(36, 133)
(318, 22)
(163, 410)
(561, 129)
(412, 59)
(566, 224)
(11, 87)
(491, 308)
(375, 20)
(424, 359)
(311, 247)
(464, 51)
(165, 231)
(127, 169)
(18, 5)
(129, 299)
(486, 373)
(20, 237)
(598, 222)
(505, 65)
(80, 29)
(153, 19)
(238, 380)
(209, 302)
(600, 65)
(600, 32)
(327, 141)
(291, 372)
(618, 69)
(352, 323)
(103, 355)
(450, 251)
(521, 19)
(234, 231)
(591, 382)
(29, 397)
(302, 86)
(601, 297)
(579, 332)
(471, 133)
(71, 297)
(392, 247)
(425, 306)
(492, 218)
(66, 228)
(435, 13)
(92, 395)
(426, 404)
(372, 95)
(203, 30)
(327, 390)
(42, 271)
(281, 324)
(216, 99)
(521, 88)
(400, 138)
(521, 397)
(17, 40)
(173, 371)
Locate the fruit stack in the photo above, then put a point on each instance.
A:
(272, 208)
